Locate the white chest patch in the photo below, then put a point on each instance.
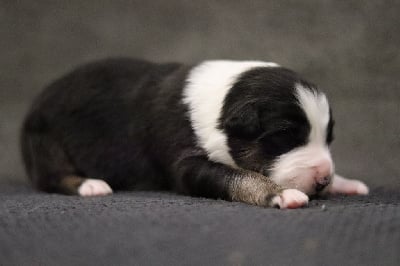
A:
(207, 85)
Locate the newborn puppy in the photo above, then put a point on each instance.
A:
(246, 131)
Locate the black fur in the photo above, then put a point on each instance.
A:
(120, 120)
(123, 121)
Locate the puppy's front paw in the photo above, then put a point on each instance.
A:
(341, 185)
(290, 199)
(94, 187)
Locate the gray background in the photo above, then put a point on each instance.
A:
(349, 48)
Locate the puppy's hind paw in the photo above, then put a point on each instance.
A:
(94, 187)
(290, 199)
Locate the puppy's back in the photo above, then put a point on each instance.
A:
(91, 122)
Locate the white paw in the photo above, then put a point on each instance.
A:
(94, 187)
(290, 199)
(346, 186)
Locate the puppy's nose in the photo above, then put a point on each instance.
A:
(322, 170)
(321, 183)
(322, 174)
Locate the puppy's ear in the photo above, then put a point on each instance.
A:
(243, 122)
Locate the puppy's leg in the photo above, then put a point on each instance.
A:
(50, 168)
(341, 185)
(197, 176)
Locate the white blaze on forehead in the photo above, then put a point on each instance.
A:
(207, 86)
(316, 108)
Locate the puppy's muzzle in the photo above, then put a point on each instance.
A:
(323, 173)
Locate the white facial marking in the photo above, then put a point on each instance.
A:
(300, 168)
(94, 187)
(207, 86)
(316, 108)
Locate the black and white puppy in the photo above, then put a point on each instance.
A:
(247, 131)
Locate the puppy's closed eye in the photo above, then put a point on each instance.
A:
(243, 123)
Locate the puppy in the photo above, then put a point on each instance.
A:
(246, 131)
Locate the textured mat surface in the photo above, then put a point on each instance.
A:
(153, 228)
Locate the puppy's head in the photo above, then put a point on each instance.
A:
(281, 126)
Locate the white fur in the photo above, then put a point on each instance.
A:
(94, 187)
(316, 108)
(347, 186)
(297, 168)
(207, 86)
(290, 199)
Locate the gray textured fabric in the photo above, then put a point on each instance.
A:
(148, 228)
(349, 48)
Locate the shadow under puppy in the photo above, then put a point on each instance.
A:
(246, 131)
